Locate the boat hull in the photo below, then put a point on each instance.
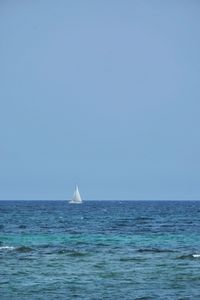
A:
(75, 202)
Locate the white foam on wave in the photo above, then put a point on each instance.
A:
(7, 248)
(196, 255)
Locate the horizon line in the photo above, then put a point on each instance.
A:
(88, 200)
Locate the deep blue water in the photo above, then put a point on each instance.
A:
(99, 250)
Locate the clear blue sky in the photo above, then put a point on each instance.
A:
(105, 94)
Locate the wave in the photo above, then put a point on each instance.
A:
(130, 259)
(189, 256)
(22, 226)
(143, 220)
(7, 248)
(155, 250)
(78, 253)
(196, 255)
(21, 249)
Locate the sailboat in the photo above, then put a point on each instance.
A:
(76, 199)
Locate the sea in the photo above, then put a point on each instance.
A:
(100, 250)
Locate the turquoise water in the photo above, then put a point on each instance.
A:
(99, 250)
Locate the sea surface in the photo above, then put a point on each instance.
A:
(100, 250)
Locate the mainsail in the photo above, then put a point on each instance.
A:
(76, 196)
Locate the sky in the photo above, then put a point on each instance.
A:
(103, 94)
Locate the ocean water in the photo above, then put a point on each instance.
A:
(99, 250)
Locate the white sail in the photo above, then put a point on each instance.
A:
(76, 196)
